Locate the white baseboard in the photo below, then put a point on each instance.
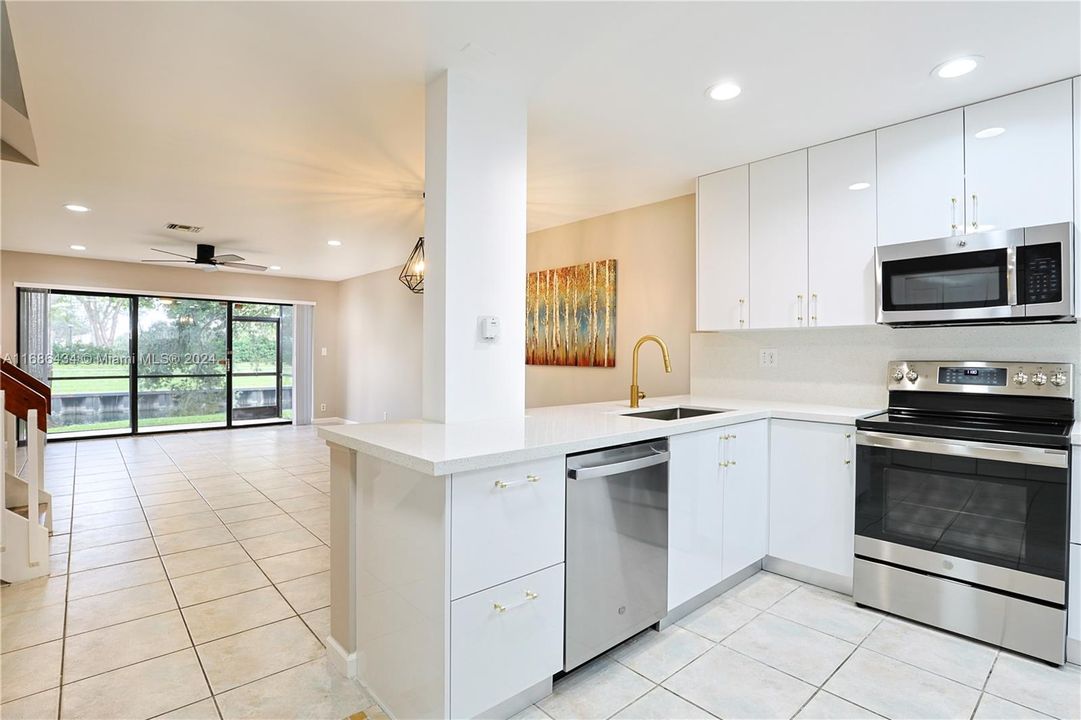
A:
(345, 663)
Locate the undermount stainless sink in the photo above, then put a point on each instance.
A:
(676, 413)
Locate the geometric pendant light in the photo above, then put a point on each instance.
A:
(412, 274)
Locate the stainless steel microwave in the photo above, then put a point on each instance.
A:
(1019, 275)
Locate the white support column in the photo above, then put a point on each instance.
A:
(474, 228)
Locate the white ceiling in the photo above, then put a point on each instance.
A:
(280, 125)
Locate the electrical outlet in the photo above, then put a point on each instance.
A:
(767, 358)
(322, 407)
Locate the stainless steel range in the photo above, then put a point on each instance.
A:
(962, 501)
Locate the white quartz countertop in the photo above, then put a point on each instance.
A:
(441, 449)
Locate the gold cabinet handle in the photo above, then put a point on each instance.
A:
(799, 313)
(953, 216)
(813, 308)
(975, 213)
(529, 595)
(848, 436)
(741, 304)
(503, 484)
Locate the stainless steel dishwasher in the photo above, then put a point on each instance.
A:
(617, 547)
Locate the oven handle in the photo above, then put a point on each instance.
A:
(966, 448)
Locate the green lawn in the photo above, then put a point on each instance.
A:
(73, 378)
(144, 422)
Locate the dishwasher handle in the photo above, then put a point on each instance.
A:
(595, 471)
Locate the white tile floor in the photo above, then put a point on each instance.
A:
(190, 581)
(775, 648)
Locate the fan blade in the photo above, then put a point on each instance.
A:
(244, 266)
(228, 257)
(190, 262)
(189, 257)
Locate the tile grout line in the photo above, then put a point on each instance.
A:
(172, 590)
(268, 579)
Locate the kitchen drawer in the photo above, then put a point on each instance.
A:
(506, 522)
(504, 640)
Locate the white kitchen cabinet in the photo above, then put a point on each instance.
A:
(1075, 495)
(1077, 180)
(695, 508)
(779, 242)
(718, 497)
(1073, 608)
(506, 522)
(812, 496)
(1023, 176)
(841, 226)
(723, 246)
(921, 178)
(745, 464)
(504, 640)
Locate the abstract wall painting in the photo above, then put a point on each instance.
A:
(571, 315)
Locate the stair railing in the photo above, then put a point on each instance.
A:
(27, 398)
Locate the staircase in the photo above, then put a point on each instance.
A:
(26, 522)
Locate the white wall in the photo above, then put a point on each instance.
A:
(847, 366)
(379, 329)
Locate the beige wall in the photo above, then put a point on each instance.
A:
(380, 334)
(58, 270)
(655, 249)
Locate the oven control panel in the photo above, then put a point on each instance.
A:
(991, 376)
(1040, 379)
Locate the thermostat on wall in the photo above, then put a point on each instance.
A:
(489, 328)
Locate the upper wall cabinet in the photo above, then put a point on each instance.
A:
(1077, 176)
(841, 231)
(779, 241)
(722, 250)
(1019, 159)
(921, 178)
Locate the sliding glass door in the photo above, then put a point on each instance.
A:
(256, 362)
(182, 352)
(87, 363)
(123, 364)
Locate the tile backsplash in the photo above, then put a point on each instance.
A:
(847, 366)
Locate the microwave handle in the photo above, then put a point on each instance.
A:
(1011, 275)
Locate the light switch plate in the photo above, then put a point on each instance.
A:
(767, 358)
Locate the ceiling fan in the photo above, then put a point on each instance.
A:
(206, 260)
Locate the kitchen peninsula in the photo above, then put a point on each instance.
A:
(447, 540)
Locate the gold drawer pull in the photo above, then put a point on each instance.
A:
(503, 484)
(529, 595)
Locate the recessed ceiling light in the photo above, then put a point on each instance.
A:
(990, 132)
(76, 208)
(275, 267)
(77, 247)
(724, 91)
(859, 186)
(957, 67)
(334, 243)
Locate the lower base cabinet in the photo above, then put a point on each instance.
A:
(1073, 607)
(812, 487)
(745, 526)
(718, 484)
(504, 640)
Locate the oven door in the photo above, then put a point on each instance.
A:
(963, 278)
(988, 514)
